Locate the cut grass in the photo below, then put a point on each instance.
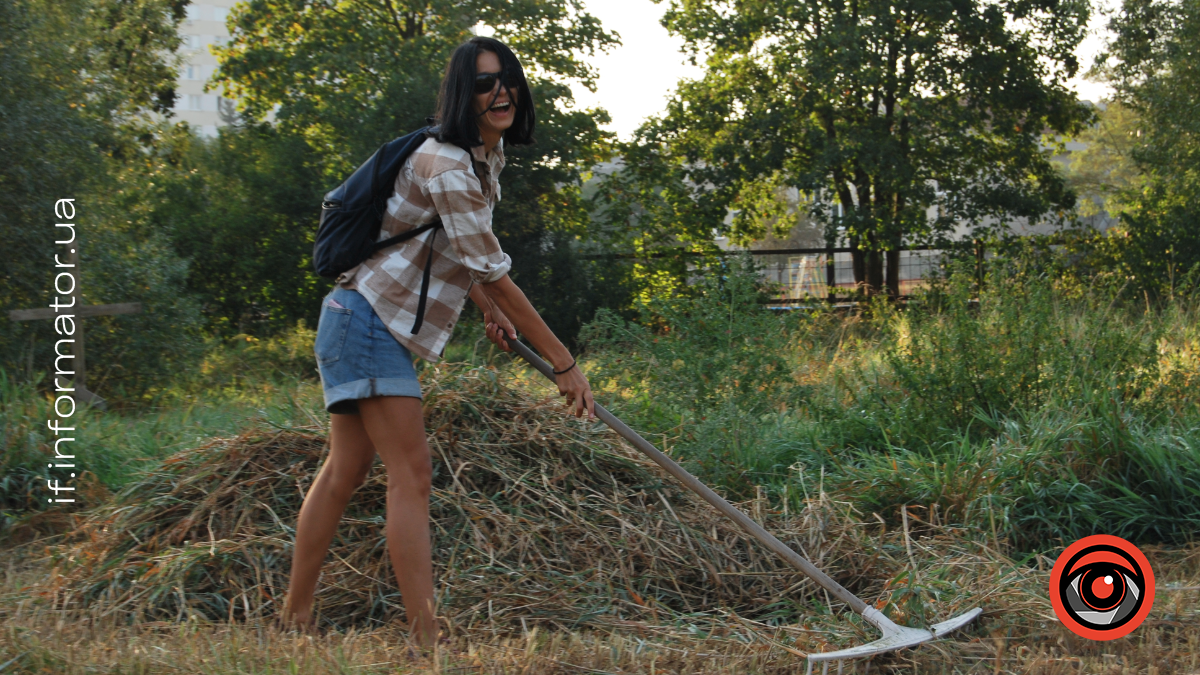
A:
(537, 520)
(1017, 634)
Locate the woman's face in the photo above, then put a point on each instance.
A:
(499, 112)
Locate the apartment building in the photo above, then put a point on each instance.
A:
(204, 26)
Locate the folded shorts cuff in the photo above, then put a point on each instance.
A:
(368, 387)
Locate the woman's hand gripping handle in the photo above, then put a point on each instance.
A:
(571, 382)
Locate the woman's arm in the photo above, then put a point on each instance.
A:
(515, 307)
(495, 323)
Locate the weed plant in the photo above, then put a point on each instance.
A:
(1030, 409)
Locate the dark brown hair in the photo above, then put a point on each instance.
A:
(455, 117)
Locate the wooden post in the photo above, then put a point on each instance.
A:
(79, 376)
(979, 264)
(80, 379)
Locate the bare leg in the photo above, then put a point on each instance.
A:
(396, 427)
(350, 457)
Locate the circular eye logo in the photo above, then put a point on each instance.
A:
(1102, 587)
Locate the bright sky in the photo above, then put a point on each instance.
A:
(637, 77)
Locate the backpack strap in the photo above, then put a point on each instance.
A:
(434, 225)
(404, 236)
(424, 285)
(429, 258)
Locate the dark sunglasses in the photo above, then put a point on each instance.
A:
(485, 82)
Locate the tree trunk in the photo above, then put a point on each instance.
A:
(874, 272)
(858, 262)
(893, 272)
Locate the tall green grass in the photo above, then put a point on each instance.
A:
(1024, 409)
(238, 382)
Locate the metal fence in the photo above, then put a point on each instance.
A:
(827, 274)
(804, 274)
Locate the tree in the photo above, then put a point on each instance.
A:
(1104, 171)
(85, 85)
(898, 119)
(48, 137)
(1151, 63)
(77, 77)
(344, 77)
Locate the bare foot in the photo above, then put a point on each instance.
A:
(423, 641)
(301, 622)
(424, 632)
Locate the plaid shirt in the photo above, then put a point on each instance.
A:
(436, 181)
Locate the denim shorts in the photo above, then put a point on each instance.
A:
(357, 356)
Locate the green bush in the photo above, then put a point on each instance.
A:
(22, 457)
(706, 366)
(1021, 346)
(1047, 478)
(244, 361)
(235, 381)
(129, 356)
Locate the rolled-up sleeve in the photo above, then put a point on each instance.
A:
(467, 217)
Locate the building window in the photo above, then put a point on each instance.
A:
(220, 14)
(194, 102)
(193, 13)
(190, 73)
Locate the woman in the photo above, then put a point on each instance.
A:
(377, 317)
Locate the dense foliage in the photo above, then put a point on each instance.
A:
(82, 80)
(896, 121)
(1151, 178)
(214, 236)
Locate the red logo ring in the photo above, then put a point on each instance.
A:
(1102, 587)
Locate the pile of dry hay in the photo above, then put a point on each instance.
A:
(537, 518)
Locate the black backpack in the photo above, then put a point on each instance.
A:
(352, 215)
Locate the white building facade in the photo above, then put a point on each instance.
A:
(204, 26)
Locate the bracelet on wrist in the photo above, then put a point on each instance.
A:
(564, 370)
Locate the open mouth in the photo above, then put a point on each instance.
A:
(501, 107)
